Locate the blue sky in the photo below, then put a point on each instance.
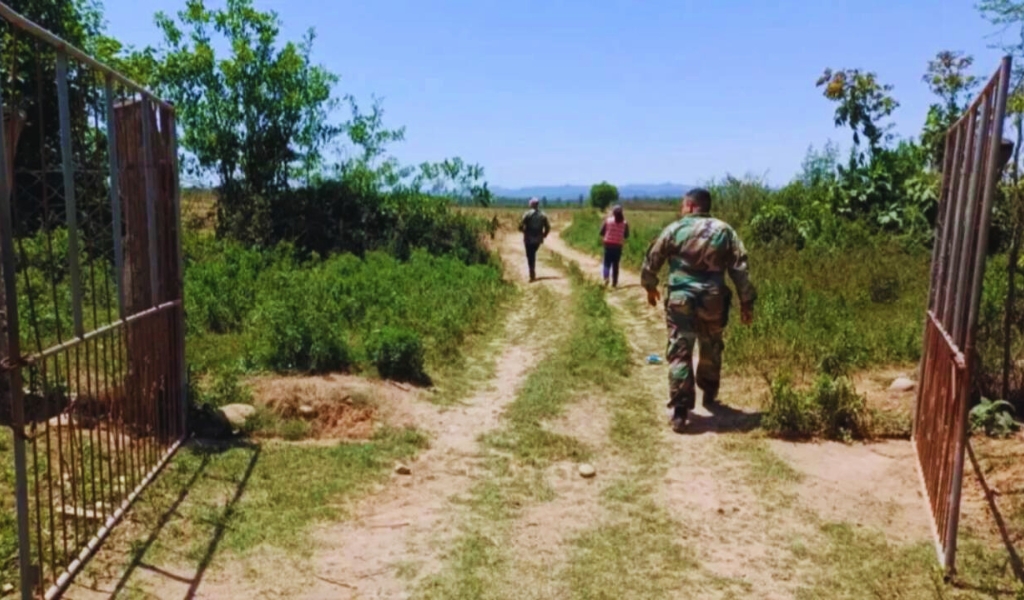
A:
(551, 92)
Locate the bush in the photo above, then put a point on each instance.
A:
(831, 409)
(295, 324)
(398, 354)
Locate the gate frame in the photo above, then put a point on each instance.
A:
(31, 577)
(969, 180)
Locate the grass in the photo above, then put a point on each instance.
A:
(591, 353)
(851, 563)
(860, 305)
(655, 565)
(258, 495)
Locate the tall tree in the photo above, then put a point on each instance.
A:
(948, 78)
(603, 195)
(256, 119)
(863, 103)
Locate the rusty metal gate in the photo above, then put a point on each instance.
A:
(92, 371)
(974, 156)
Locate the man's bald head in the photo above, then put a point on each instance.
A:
(697, 200)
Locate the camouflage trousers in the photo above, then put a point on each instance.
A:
(699, 318)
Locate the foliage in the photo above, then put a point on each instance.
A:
(948, 78)
(862, 103)
(994, 418)
(397, 353)
(603, 195)
(255, 119)
(310, 314)
(223, 388)
(850, 294)
(831, 409)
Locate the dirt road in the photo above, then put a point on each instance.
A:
(720, 512)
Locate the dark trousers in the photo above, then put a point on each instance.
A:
(531, 257)
(612, 256)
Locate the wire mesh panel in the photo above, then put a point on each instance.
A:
(91, 352)
(974, 155)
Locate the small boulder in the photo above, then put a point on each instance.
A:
(587, 471)
(307, 411)
(403, 469)
(903, 384)
(237, 415)
(7, 589)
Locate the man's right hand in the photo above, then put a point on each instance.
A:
(653, 296)
(747, 315)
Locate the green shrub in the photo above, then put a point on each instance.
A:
(398, 354)
(222, 387)
(295, 324)
(832, 409)
(994, 418)
(787, 411)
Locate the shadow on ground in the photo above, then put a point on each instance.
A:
(206, 450)
(723, 419)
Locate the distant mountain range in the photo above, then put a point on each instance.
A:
(573, 192)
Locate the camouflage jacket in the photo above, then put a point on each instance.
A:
(700, 250)
(535, 226)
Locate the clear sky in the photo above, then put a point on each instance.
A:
(552, 92)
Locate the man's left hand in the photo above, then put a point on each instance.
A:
(653, 296)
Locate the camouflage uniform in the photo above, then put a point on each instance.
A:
(535, 228)
(700, 250)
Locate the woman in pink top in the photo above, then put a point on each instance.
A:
(614, 233)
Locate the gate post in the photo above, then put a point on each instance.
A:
(10, 371)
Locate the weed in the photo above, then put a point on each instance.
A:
(832, 408)
(995, 418)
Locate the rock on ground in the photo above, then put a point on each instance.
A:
(903, 384)
(237, 414)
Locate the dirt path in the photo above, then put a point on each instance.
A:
(745, 500)
(399, 534)
(717, 513)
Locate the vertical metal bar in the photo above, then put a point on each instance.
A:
(14, 348)
(115, 192)
(147, 169)
(960, 205)
(68, 168)
(975, 291)
(179, 292)
(951, 159)
(969, 226)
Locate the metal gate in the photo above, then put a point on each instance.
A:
(974, 156)
(92, 375)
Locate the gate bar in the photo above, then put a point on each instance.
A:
(14, 18)
(115, 191)
(71, 208)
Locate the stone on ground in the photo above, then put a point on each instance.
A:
(903, 384)
(237, 415)
(587, 470)
(403, 469)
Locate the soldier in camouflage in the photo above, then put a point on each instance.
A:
(535, 227)
(700, 250)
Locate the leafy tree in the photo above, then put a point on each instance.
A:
(863, 103)
(603, 195)
(256, 119)
(948, 78)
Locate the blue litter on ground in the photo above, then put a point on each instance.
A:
(654, 359)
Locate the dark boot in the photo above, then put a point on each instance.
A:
(679, 418)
